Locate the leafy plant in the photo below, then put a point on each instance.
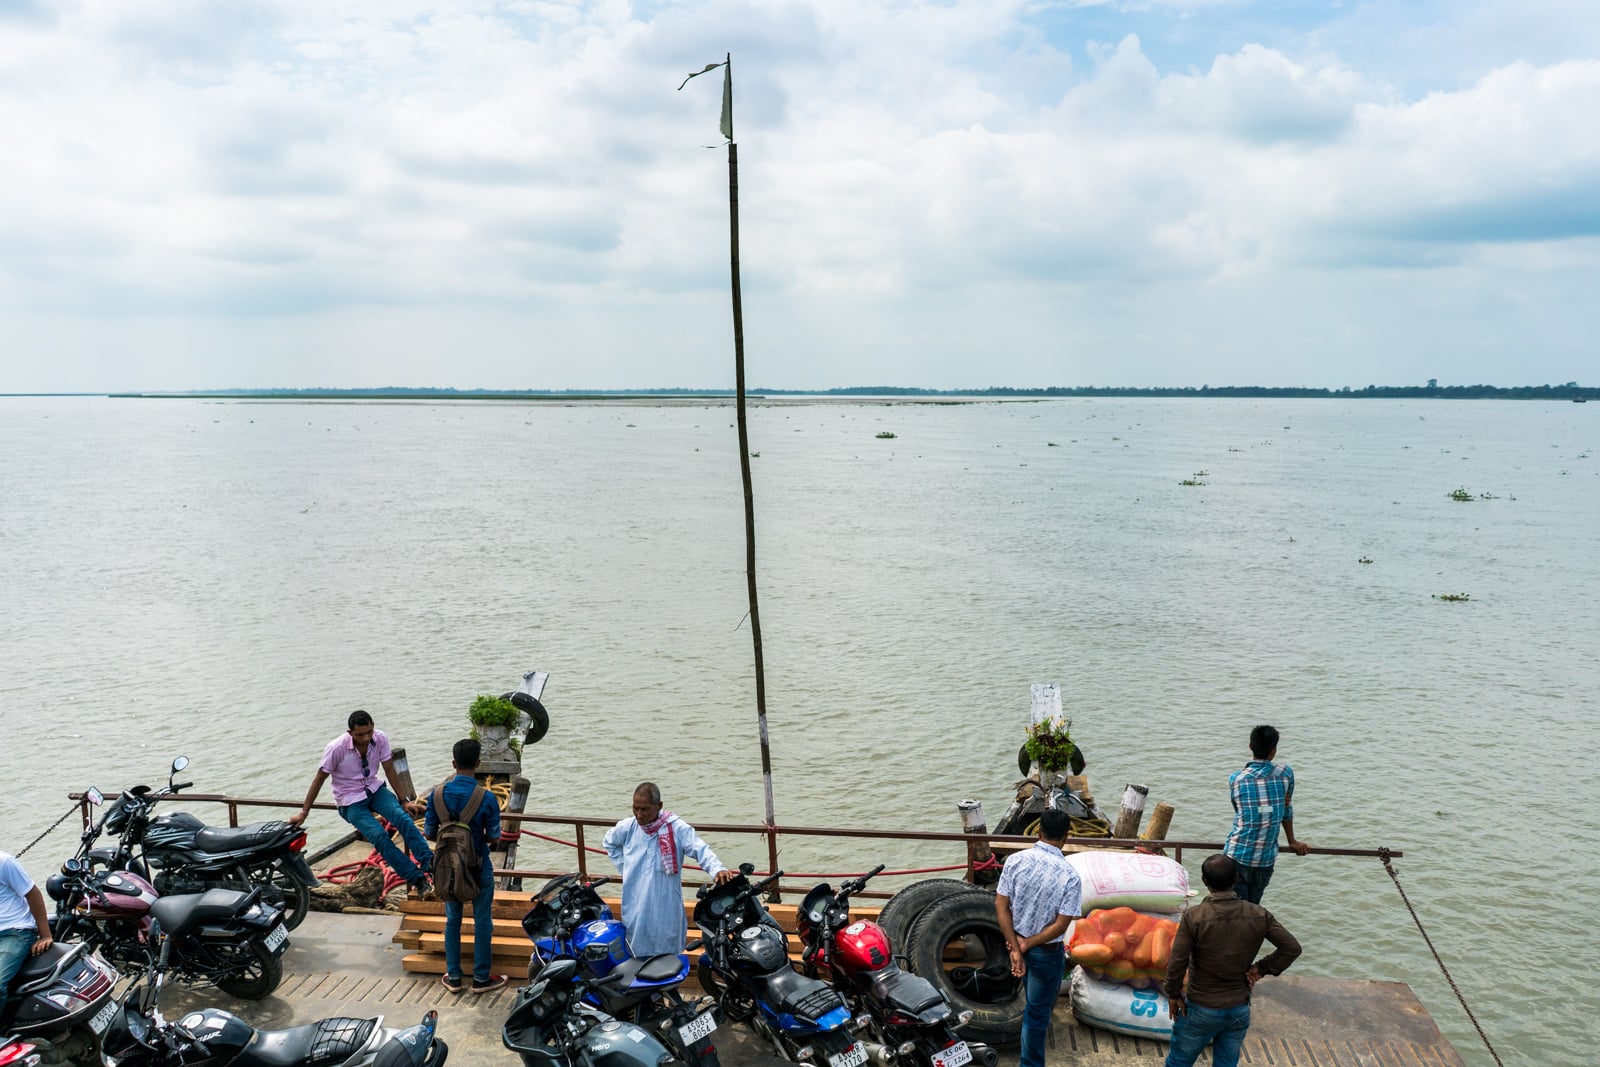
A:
(1050, 742)
(1454, 598)
(887, 436)
(1461, 494)
(493, 711)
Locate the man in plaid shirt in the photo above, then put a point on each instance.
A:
(1263, 800)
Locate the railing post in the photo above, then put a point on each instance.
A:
(771, 834)
(583, 856)
(233, 813)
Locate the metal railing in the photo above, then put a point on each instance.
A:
(580, 823)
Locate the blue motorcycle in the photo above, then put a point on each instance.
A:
(569, 920)
(746, 967)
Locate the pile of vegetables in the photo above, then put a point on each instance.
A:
(1123, 945)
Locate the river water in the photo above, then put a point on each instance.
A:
(230, 579)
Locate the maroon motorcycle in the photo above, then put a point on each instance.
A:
(221, 937)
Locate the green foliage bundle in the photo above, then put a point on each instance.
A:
(493, 711)
(1050, 742)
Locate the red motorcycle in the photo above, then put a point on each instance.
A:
(911, 1020)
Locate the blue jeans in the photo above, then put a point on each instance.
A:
(14, 948)
(363, 816)
(1252, 882)
(482, 928)
(1221, 1028)
(1045, 965)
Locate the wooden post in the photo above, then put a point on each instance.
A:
(1132, 812)
(402, 772)
(583, 857)
(978, 850)
(1160, 819)
(515, 804)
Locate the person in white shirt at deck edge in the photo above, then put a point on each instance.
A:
(649, 849)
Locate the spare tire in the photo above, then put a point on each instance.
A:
(902, 909)
(538, 718)
(980, 981)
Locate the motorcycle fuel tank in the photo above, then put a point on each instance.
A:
(123, 896)
(862, 946)
(223, 1034)
(601, 944)
(760, 949)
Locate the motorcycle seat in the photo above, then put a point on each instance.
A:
(40, 968)
(327, 1041)
(653, 970)
(236, 838)
(178, 914)
(794, 993)
(909, 992)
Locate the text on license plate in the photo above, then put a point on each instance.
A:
(277, 938)
(700, 1026)
(954, 1056)
(854, 1056)
(103, 1017)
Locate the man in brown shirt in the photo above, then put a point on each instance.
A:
(1216, 947)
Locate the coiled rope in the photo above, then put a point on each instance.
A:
(1384, 854)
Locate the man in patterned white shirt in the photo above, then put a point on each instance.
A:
(1038, 895)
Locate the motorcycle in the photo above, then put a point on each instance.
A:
(911, 1018)
(745, 967)
(570, 920)
(551, 1026)
(60, 1005)
(177, 853)
(139, 1036)
(15, 1052)
(230, 939)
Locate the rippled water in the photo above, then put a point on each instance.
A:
(229, 579)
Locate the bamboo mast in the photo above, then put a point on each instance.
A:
(744, 442)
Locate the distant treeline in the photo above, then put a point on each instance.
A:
(1568, 391)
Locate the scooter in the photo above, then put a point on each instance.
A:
(745, 966)
(551, 1026)
(60, 1004)
(15, 1052)
(222, 937)
(139, 1036)
(177, 853)
(911, 1018)
(570, 920)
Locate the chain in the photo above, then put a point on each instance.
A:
(1383, 854)
(70, 812)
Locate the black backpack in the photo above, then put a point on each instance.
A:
(456, 865)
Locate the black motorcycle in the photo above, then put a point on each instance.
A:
(745, 967)
(551, 1026)
(60, 1004)
(221, 937)
(570, 920)
(140, 1037)
(177, 853)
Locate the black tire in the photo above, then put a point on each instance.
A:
(256, 979)
(901, 911)
(538, 718)
(970, 918)
(282, 892)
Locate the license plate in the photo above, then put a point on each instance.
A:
(954, 1056)
(277, 938)
(700, 1026)
(854, 1056)
(103, 1017)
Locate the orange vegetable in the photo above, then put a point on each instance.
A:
(1117, 944)
(1092, 955)
(1161, 944)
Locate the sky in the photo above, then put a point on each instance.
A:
(953, 194)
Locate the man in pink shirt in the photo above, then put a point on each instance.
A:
(352, 760)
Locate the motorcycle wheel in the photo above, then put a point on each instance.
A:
(764, 1030)
(285, 893)
(259, 972)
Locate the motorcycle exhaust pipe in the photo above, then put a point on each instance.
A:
(881, 1055)
(983, 1055)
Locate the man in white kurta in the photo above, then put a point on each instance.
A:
(649, 849)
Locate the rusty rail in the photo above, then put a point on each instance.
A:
(770, 834)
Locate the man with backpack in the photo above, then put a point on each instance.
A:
(463, 819)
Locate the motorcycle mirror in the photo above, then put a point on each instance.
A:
(747, 869)
(94, 796)
(179, 764)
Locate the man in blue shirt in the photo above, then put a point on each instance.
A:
(1263, 800)
(1038, 895)
(485, 828)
